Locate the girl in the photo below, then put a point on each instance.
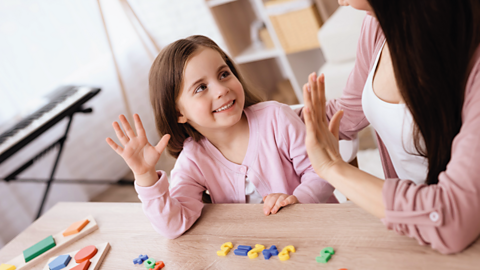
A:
(417, 82)
(225, 140)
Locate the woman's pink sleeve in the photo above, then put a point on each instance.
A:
(447, 215)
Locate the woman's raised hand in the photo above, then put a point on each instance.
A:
(137, 152)
(322, 138)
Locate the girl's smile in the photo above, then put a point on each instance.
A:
(226, 107)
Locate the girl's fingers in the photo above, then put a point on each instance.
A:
(277, 205)
(115, 146)
(334, 125)
(268, 204)
(118, 131)
(139, 125)
(126, 126)
(162, 143)
(289, 200)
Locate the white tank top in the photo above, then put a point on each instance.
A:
(394, 125)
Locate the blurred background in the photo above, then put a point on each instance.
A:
(110, 44)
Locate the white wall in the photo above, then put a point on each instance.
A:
(86, 155)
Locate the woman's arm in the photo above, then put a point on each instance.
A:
(444, 215)
(291, 132)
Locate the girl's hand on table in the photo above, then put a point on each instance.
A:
(322, 137)
(137, 152)
(274, 201)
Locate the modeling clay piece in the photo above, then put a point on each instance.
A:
(7, 267)
(39, 248)
(272, 251)
(85, 253)
(60, 262)
(242, 250)
(76, 227)
(225, 248)
(252, 254)
(325, 255)
(284, 254)
(159, 265)
(150, 263)
(140, 259)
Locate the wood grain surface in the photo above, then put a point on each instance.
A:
(360, 240)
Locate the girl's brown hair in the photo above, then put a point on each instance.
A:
(165, 83)
(431, 44)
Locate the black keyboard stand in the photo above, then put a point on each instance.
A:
(60, 143)
(70, 112)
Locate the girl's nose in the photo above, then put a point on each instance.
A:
(221, 91)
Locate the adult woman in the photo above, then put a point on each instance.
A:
(417, 81)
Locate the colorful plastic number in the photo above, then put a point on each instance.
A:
(242, 250)
(252, 254)
(272, 251)
(283, 255)
(325, 255)
(150, 263)
(225, 248)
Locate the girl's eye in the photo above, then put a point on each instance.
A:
(224, 74)
(201, 88)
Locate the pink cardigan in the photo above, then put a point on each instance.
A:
(446, 215)
(276, 162)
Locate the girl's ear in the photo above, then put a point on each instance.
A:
(181, 119)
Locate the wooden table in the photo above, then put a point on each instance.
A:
(360, 240)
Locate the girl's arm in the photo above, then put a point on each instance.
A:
(170, 212)
(173, 211)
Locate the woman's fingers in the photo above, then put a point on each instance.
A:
(120, 135)
(307, 111)
(321, 98)
(313, 89)
(115, 146)
(126, 126)
(162, 143)
(139, 126)
(334, 125)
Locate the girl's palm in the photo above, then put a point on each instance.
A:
(137, 152)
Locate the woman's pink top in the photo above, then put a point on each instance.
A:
(446, 215)
(276, 161)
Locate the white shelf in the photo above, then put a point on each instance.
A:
(214, 3)
(256, 52)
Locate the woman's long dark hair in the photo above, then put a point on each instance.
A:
(431, 44)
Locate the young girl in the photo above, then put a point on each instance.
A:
(225, 140)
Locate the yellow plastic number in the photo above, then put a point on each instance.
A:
(225, 248)
(252, 254)
(284, 254)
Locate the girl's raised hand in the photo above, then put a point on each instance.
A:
(137, 152)
(322, 138)
(274, 201)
